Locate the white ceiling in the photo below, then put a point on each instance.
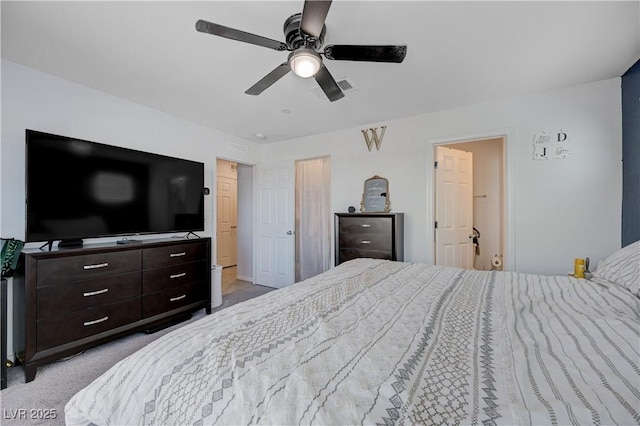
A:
(459, 53)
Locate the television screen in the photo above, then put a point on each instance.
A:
(79, 189)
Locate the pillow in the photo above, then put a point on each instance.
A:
(622, 268)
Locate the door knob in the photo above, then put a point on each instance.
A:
(289, 233)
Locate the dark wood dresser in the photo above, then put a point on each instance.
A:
(81, 297)
(374, 235)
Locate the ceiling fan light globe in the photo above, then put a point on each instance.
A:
(305, 62)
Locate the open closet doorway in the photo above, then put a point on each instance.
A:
(486, 237)
(313, 217)
(234, 223)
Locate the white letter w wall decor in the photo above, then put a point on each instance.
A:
(374, 137)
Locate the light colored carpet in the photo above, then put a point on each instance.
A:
(25, 403)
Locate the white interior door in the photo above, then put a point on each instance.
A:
(227, 227)
(275, 224)
(454, 208)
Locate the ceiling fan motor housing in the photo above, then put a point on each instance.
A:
(295, 38)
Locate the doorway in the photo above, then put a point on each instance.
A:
(488, 200)
(234, 223)
(227, 213)
(293, 220)
(313, 217)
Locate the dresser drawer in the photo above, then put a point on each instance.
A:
(64, 299)
(58, 331)
(351, 253)
(161, 279)
(382, 226)
(56, 271)
(367, 242)
(172, 255)
(171, 299)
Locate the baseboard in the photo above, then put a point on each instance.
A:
(243, 278)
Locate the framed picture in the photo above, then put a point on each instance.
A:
(375, 197)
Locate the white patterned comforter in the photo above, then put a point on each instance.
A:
(379, 342)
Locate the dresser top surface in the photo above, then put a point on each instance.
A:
(111, 246)
(368, 214)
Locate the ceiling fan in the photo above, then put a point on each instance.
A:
(304, 34)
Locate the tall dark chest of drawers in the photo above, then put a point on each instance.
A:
(373, 235)
(79, 298)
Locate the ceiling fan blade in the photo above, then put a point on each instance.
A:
(347, 52)
(328, 84)
(275, 75)
(314, 14)
(233, 34)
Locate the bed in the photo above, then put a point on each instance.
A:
(382, 342)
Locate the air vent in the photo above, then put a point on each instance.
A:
(344, 83)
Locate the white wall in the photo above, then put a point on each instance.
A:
(39, 101)
(556, 209)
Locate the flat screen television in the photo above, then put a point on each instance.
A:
(79, 189)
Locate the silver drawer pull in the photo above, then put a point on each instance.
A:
(366, 225)
(180, 275)
(365, 242)
(96, 321)
(182, 253)
(95, 293)
(175, 299)
(96, 266)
